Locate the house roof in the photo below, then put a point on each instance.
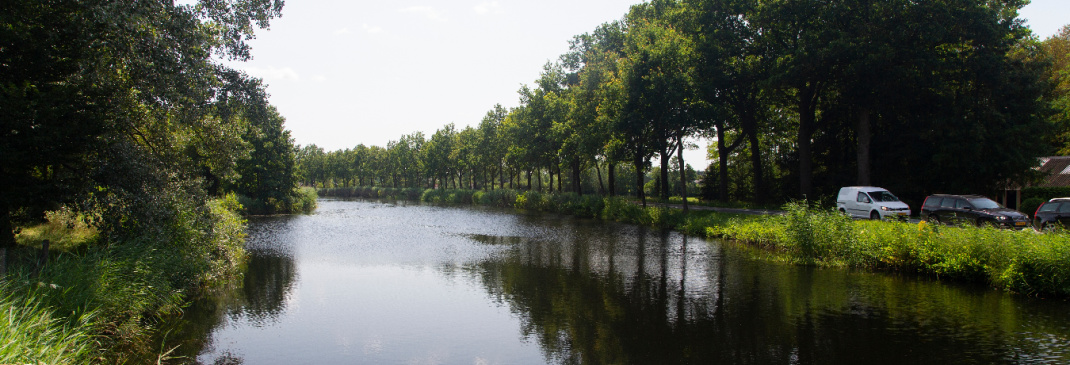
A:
(1057, 170)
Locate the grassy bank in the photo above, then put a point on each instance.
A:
(99, 295)
(1020, 261)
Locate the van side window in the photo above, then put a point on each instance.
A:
(961, 203)
(948, 203)
(863, 198)
(1064, 208)
(933, 202)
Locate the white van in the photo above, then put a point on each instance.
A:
(870, 202)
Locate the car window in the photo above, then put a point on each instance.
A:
(1064, 207)
(948, 203)
(863, 198)
(1050, 207)
(961, 204)
(933, 202)
(985, 203)
(883, 196)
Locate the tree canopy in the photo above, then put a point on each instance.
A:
(800, 97)
(123, 109)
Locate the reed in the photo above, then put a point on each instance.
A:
(32, 334)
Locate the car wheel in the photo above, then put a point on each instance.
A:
(932, 218)
(984, 223)
(875, 216)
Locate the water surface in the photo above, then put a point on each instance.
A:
(362, 282)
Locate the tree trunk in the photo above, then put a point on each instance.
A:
(638, 161)
(663, 183)
(7, 239)
(560, 179)
(612, 172)
(576, 185)
(683, 173)
(750, 129)
(722, 162)
(806, 130)
(864, 137)
(601, 186)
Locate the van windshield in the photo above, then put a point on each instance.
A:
(883, 196)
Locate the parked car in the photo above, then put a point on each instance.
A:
(1053, 213)
(871, 202)
(971, 209)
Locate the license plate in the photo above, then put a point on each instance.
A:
(1019, 223)
(900, 213)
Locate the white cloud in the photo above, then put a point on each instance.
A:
(427, 11)
(488, 7)
(343, 31)
(273, 73)
(372, 29)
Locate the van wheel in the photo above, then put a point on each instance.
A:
(933, 219)
(874, 216)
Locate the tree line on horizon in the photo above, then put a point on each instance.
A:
(798, 98)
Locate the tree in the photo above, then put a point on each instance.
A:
(108, 99)
(1057, 48)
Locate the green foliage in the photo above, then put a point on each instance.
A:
(370, 192)
(124, 283)
(1020, 261)
(1034, 196)
(63, 228)
(817, 234)
(300, 200)
(1045, 193)
(497, 198)
(1030, 205)
(447, 196)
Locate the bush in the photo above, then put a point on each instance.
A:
(1029, 206)
(301, 200)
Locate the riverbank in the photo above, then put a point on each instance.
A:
(1024, 262)
(96, 297)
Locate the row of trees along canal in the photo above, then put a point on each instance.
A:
(122, 111)
(800, 97)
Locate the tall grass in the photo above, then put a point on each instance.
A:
(1020, 261)
(30, 333)
(116, 287)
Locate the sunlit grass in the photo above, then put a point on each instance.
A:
(31, 334)
(65, 230)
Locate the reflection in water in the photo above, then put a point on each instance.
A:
(260, 299)
(656, 297)
(371, 283)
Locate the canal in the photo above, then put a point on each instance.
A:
(364, 282)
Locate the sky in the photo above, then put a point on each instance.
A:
(346, 72)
